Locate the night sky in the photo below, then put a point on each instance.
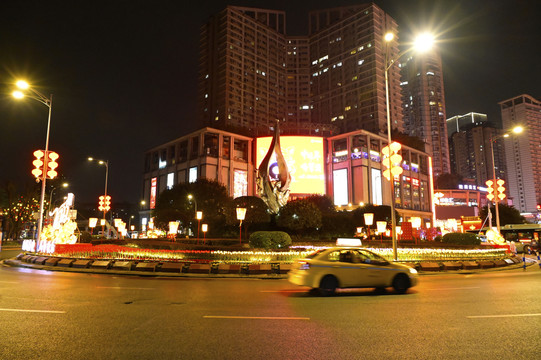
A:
(124, 74)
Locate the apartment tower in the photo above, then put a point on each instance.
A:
(327, 82)
(523, 151)
(423, 102)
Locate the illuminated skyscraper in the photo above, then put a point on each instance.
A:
(423, 102)
(330, 81)
(523, 151)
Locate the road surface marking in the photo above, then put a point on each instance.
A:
(123, 288)
(255, 317)
(36, 311)
(458, 288)
(501, 316)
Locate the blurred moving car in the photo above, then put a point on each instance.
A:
(347, 267)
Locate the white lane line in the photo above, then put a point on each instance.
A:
(123, 288)
(458, 288)
(35, 311)
(501, 316)
(255, 317)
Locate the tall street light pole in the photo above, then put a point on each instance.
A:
(422, 43)
(106, 164)
(516, 130)
(47, 101)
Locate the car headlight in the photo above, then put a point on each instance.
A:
(413, 271)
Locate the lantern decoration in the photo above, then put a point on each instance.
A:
(204, 229)
(368, 221)
(49, 161)
(490, 190)
(500, 190)
(241, 213)
(104, 203)
(392, 160)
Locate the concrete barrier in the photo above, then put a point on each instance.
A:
(470, 265)
(285, 268)
(257, 269)
(228, 268)
(66, 262)
(500, 263)
(486, 264)
(172, 267)
(52, 261)
(122, 265)
(82, 264)
(429, 266)
(451, 265)
(40, 260)
(101, 264)
(199, 268)
(144, 266)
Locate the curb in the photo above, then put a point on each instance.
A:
(215, 270)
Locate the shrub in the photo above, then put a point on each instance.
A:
(85, 237)
(269, 239)
(461, 239)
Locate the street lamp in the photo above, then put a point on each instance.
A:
(368, 221)
(422, 43)
(52, 191)
(19, 94)
(241, 213)
(204, 229)
(515, 130)
(106, 164)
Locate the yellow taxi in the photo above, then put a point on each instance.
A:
(350, 267)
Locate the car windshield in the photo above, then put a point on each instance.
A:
(314, 254)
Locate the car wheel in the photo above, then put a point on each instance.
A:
(328, 285)
(401, 283)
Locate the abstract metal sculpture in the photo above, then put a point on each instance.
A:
(273, 186)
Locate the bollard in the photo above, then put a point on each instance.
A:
(538, 260)
(524, 260)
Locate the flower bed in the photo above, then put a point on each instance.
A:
(88, 251)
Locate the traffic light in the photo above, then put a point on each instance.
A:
(392, 160)
(38, 164)
(104, 203)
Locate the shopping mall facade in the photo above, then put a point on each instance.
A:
(347, 168)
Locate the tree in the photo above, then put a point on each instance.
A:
(508, 214)
(299, 216)
(256, 211)
(381, 213)
(210, 196)
(17, 209)
(323, 202)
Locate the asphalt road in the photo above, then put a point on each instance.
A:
(57, 315)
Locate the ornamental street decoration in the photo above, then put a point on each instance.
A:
(273, 187)
(45, 162)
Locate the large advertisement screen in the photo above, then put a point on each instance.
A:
(304, 159)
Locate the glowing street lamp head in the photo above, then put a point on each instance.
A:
(17, 94)
(424, 42)
(21, 84)
(518, 129)
(389, 36)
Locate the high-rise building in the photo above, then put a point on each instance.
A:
(523, 151)
(332, 80)
(423, 102)
(470, 152)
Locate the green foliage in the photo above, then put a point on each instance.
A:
(461, 239)
(508, 214)
(323, 203)
(17, 208)
(269, 240)
(210, 196)
(339, 224)
(256, 211)
(381, 213)
(85, 237)
(299, 216)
